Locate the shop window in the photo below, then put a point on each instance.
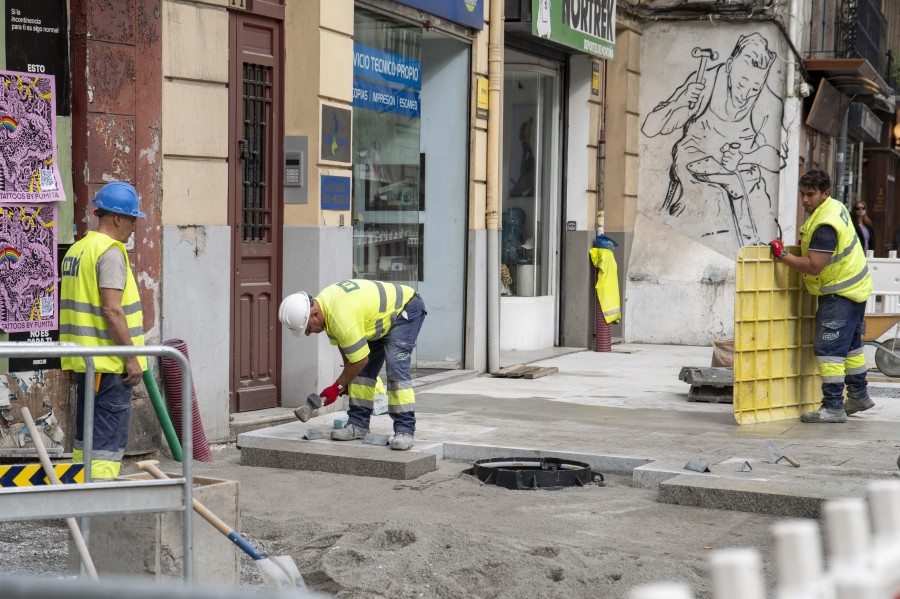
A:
(530, 182)
(388, 181)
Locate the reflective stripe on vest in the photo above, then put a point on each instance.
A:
(357, 311)
(81, 318)
(846, 273)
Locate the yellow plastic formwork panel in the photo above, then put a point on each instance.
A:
(775, 374)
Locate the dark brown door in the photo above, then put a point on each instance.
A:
(255, 154)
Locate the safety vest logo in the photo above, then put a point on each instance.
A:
(70, 265)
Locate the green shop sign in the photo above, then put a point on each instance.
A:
(586, 25)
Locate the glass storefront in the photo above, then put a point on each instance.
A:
(388, 190)
(530, 182)
(410, 134)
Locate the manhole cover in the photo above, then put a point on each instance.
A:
(884, 391)
(535, 473)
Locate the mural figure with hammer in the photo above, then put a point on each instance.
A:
(732, 140)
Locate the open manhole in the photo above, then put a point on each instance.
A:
(535, 473)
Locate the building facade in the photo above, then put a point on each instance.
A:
(279, 146)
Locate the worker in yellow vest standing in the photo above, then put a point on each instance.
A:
(374, 324)
(100, 305)
(834, 269)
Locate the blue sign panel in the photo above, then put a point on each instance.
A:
(383, 98)
(335, 193)
(386, 67)
(465, 12)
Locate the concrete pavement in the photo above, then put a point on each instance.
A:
(627, 412)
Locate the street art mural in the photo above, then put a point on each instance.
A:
(28, 268)
(28, 167)
(722, 129)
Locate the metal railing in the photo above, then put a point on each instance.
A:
(105, 498)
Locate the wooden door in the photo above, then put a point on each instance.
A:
(254, 168)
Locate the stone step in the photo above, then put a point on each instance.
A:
(798, 495)
(339, 457)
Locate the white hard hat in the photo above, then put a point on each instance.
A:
(294, 312)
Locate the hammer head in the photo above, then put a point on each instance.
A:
(314, 400)
(704, 52)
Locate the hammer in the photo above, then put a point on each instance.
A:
(307, 410)
(702, 54)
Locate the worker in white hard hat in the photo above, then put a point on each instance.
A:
(374, 324)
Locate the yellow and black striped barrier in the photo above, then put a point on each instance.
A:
(33, 475)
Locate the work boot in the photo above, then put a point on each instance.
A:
(852, 405)
(824, 414)
(402, 441)
(349, 433)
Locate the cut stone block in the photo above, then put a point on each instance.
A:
(339, 458)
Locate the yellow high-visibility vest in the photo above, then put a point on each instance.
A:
(81, 308)
(607, 284)
(358, 311)
(846, 273)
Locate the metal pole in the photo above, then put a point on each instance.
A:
(87, 433)
(841, 162)
(187, 447)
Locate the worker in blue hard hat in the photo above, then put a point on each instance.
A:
(100, 305)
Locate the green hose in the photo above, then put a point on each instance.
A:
(164, 421)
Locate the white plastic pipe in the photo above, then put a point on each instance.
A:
(884, 506)
(847, 532)
(737, 574)
(661, 590)
(856, 584)
(798, 553)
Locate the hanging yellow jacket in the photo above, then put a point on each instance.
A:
(607, 284)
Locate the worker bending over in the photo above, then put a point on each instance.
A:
(374, 324)
(834, 268)
(100, 305)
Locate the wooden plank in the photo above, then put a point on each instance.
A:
(511, 371)
(541, 372)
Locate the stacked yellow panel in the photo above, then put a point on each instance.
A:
(775, 375)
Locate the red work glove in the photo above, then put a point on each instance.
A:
(777, 249)
(331, 393)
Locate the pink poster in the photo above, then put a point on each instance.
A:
(29, 172)
(28, 281)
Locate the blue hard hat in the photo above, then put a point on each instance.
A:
(604, 242)
(118, 197)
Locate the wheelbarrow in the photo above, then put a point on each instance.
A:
(887, 354)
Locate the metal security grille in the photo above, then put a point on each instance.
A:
(256, 212)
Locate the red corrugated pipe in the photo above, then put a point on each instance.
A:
(602, 330)
(171, 375)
